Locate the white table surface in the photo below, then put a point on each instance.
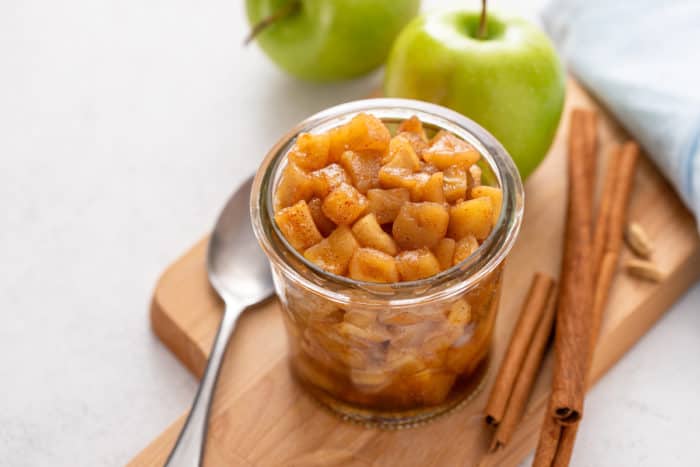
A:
(124, 126)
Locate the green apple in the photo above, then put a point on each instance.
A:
(326, 40)
(509, 80)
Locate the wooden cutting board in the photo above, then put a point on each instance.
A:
(261, 418)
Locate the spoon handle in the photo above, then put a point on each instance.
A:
(189, 447)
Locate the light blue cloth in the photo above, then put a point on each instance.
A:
(641, 58)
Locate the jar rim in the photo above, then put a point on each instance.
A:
(457, 279)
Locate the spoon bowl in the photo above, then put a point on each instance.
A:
(238, 269)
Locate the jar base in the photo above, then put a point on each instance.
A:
(400, 419)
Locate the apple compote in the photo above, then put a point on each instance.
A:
(387, 240)
(359, 202)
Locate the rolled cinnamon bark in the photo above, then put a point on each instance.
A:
(528, 374)
(518, 348)
(590, 126)
(567, 437)
(565, 447)
(618, 213)
(576, 294)
(602, 289)
(555, 447)
(605, 275)
(547, 446)
(607, 198)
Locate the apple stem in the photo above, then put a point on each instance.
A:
(482, 22)
(282, 12)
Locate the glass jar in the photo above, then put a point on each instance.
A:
(390, 354)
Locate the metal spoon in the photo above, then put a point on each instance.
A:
(240, 273)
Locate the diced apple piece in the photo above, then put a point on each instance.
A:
(434, 347)
(344, 204)
(470, 349)
(297, 226)
(413, 125)
(333, 254)
(408, 316)
(363, 169)
(428, 168)
(430, 387)
(474, 216)
(324, 347)
(322, 256)
(432, 190)
(417, 264)
(446, 150)
(372, 265)
(416, 190)
(361, 347)
(311, 151)
(444, 252)
(360, 317)
(385, 204)
(464, 248)
(416, 141)
(401, 163)
(420, 225)
(366, 133)
(370, 234)
(484, 298)
(295, 185)
(343, 243)
(325, 341)
(353, 357)
(474, 176)
(496, 196)
(362, 336)
(370, 380)
(407, 335)
(309, 308)
(324, 224)
(460, 313)
(399, 317)
(396, 177)
(328, 179)
(338, 142)
(455, 184)
(401, 155)
(404, 361)
(461, 357)
(412, 130)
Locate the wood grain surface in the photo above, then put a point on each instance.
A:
(260, 417)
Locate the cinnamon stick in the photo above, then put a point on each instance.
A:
(520, 341)
(613, 245)
(565, 448)
(605, 278)
(567, 437)
(576, 293)
(528, 374)
(547, 446)
(625, 178)
(556, 447)
(590, 127)
(613, 226)
(605, 206)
